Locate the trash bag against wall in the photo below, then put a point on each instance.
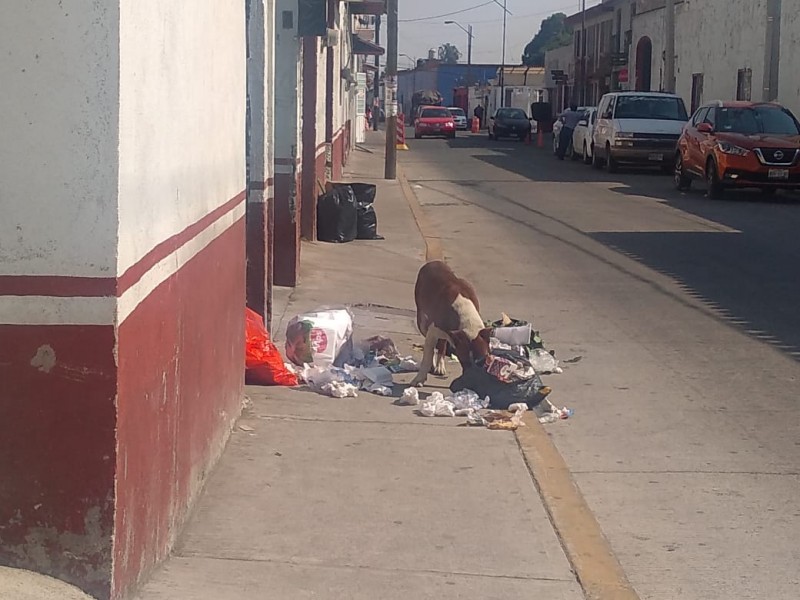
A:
(337, 215)
(263, 362)
(366, 216)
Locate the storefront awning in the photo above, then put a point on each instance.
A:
(363, 47)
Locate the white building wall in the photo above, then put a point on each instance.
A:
(58, 148)
(322, 65)
(176, 165)
(789, 84)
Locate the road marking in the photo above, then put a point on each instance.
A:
(596, 567)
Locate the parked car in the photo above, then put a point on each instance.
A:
(637, 128)
(434, 120)
(582, 136)
(740, 144)
(459, 117)
(557, 125)
(509, 122)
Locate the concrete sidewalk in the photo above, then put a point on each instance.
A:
(357, 498)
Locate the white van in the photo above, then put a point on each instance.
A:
(637, 127)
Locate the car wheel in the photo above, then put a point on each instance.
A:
(417, 136)
(596, 162)
(452, 136)
(682, 181)
(611, 164)
(587, 160)
(714, 187)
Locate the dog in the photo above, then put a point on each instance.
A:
(448, 312)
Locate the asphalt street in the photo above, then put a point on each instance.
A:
(677, 320)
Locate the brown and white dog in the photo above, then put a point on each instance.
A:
(447, 311)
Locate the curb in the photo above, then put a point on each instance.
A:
(594, 563)
(433, 244)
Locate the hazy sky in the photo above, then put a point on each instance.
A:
(418, 36)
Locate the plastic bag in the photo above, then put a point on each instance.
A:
(322, 338)
(263, 362)
(337, 215)
(437, 406)
(501, 395)
(366, 218)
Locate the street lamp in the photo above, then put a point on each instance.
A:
(411, 58)
(468, 31)
(503, 60)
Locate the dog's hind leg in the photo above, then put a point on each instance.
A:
(439, 360)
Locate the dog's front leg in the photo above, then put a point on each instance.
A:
(431, 339)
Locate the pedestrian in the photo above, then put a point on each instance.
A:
(479, 113)
(569, 119)
(369, 117)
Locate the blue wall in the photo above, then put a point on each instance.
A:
(442, 78)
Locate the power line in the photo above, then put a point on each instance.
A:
(450, 14)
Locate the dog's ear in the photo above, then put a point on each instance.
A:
(486, 334)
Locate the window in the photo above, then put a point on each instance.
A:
(698, 116)
(697, 90)
(711, 117)
(511, 113)
(744, 81)
(434, 113)
(757, 120)
(608, 110)
(662, 108)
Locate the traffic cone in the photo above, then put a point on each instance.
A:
(540, 139)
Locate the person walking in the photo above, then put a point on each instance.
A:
(478, 112)
(569, 119)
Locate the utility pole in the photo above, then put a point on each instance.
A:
(376, 84)
(390, 88)
(580, 97)
(469, 45)
(669, 47)
(503, 60)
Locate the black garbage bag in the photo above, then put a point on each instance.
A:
(531, 391)
(337, 215)
(367, 218)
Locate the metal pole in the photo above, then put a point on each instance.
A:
(376, 84)
(503, 60)
(581, 96)
(469, 45)
(390, 86)
(669, 47)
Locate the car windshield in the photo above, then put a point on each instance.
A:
(511, 113)
(435, 113)
(651, 107)
(752, 121)
(457, 112)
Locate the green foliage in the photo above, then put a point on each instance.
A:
(449, 54)
(553, 33)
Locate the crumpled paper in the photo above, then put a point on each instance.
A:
(437, 406)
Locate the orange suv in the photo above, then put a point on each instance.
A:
(740, 144)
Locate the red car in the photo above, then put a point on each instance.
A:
(434, 120)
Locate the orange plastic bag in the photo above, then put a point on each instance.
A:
(263, 362)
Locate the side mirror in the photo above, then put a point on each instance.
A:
(705, 128)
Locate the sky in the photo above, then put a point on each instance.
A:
(419, 35)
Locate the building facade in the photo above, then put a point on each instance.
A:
(151, 185)
(725, 49)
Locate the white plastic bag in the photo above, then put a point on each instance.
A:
(322, 338)
(437, 406)
(410, 397)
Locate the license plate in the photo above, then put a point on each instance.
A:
(656, 157)
(779, 173)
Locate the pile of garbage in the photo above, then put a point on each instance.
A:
(324, 356)
(345, 212)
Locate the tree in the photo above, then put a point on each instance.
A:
(553, 33)
(449, 54)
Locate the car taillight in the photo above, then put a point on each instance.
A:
(449, 124)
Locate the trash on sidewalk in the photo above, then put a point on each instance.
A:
(330, 381)
(506, 379)
(410, 397)
(437, 406)
(550, 413)
(366, 218)
(544, 362)
(321, 338)
(520, 337)
(263, 362)
(500, 421)
(337, 215)
(379, 346)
